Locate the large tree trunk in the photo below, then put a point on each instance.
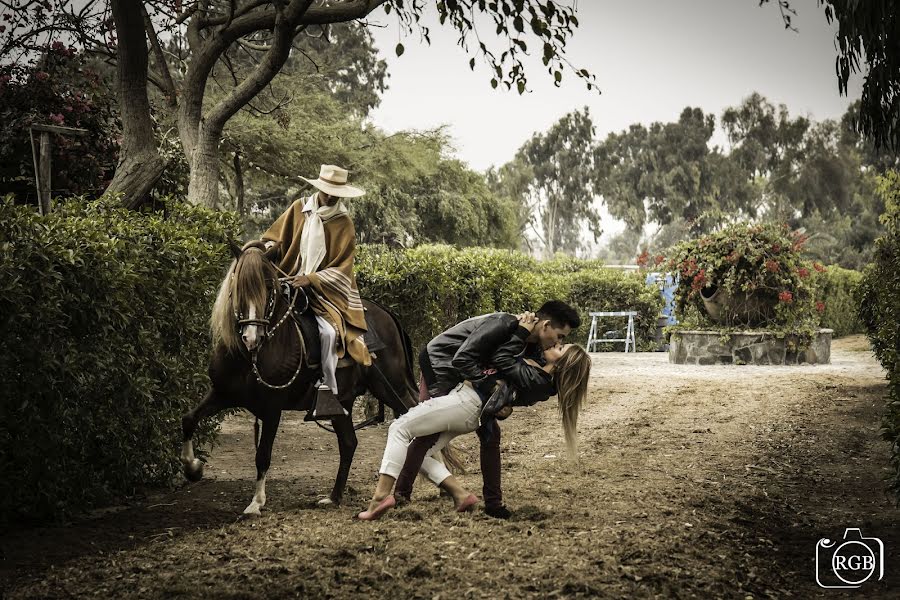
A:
(203, 188)
(140, 165)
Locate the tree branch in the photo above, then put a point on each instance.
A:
(168, 86)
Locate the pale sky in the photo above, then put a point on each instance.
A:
(651, 58)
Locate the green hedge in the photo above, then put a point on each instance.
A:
(837, 289)
(434, 287)
(104, 314)
(880, 311)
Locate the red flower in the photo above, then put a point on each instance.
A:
(786, 297)
(659, 259)
(699, 280)
(820, 306)
(803, 272)
(818, 267)
(772, 266)
(688, 268)
(643, 258)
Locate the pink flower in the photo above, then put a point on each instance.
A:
(57, 118)
(772, 266)
(803, 272)
(820, 306)
(786, 297)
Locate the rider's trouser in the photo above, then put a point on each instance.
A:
(327, 335)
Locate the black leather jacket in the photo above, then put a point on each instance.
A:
(528, 384)
(486, 348)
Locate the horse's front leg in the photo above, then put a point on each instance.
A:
(263, 460)
(193, 466)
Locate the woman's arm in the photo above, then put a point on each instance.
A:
(524, 377)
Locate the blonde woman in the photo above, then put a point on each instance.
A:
(462, 411)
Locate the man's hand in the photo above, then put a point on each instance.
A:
(528, 320)
(300, 281)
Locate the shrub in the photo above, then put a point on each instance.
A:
(104, 314)
(434, 287)
(880, 311)
(836, 289)
(763, 260)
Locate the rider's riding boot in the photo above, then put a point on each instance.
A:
(326, 407)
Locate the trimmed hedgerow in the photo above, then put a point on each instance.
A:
(879, 304)
(434, 287)
(104, 313)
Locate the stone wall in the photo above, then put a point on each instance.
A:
(747, 348)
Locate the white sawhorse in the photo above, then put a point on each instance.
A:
(594, 338)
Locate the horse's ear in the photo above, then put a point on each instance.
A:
(273, 253)
(235, 249)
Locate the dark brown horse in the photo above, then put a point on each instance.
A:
(260, 362)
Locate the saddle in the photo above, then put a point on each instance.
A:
(310, 330)
(321, 404)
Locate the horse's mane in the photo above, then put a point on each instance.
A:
(244, 283)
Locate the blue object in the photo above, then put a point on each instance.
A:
(666, 283)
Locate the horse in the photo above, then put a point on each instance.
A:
(261, 362)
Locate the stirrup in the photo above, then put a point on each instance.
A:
(327, 406)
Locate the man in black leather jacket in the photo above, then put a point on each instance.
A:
(464, 352)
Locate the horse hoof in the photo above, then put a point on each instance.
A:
(253, 510)
(325, 502)
(193, 470)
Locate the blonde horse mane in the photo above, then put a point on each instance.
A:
(244, 284)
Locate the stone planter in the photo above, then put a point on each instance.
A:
(738, 309)
(747, 348)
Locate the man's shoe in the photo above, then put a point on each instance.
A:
(498, 512)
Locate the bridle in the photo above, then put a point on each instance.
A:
(280, 285)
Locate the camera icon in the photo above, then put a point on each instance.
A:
(849, 563)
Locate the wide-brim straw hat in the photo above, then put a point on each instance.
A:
(333, 181)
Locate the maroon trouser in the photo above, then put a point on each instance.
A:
(490, 461)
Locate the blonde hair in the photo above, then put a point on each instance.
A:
(571, 374)
(244, 284)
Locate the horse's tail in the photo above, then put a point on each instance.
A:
(407, 350)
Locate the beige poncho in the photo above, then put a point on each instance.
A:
(336, 296)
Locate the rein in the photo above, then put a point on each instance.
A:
(269, 331)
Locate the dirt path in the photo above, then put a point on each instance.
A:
(694, 482)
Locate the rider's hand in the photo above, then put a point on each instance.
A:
(528, 320)
(300, 281)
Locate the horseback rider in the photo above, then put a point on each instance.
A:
(318, 243)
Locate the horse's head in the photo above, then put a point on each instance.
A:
(246, 298)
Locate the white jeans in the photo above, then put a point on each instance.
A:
(454, 414)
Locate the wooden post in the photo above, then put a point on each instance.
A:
(44, 174)
(41, 157)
